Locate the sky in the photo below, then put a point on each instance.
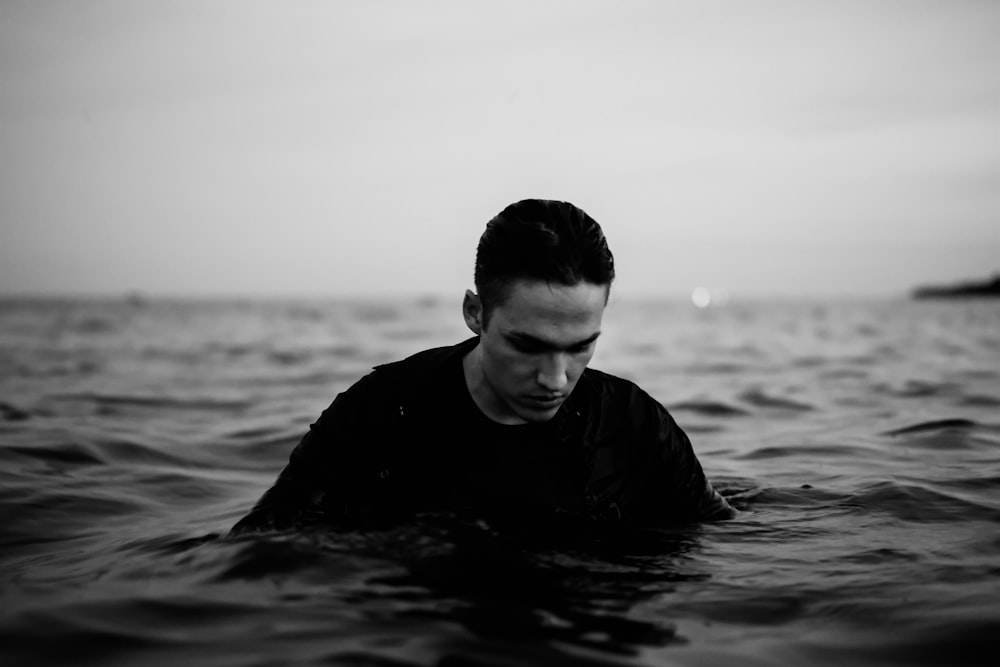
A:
(343, 148)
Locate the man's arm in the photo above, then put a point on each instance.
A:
(675, 487)
(325, 469)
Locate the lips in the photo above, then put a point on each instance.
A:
(546, 401)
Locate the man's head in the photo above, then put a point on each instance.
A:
(540, 240)
(543, 272)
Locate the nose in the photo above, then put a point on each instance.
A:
(553, 373)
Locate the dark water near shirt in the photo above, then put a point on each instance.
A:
(861, 440)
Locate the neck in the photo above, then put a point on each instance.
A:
(481, 392)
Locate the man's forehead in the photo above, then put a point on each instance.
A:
(560, 321)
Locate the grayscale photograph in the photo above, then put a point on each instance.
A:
(453, 333)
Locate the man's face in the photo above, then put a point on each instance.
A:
(533, 349)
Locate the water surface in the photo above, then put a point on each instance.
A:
(859, 439)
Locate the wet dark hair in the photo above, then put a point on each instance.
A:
(540, 240)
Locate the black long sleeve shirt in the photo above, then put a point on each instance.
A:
(408, 437)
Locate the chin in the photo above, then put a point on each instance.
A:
(538, 415)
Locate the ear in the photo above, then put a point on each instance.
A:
(472, 311)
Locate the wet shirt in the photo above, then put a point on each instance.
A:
(523, 467)
(408, 437)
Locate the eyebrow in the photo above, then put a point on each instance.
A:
(528, 339)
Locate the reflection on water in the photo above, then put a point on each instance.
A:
(859, 440)
(517, 594)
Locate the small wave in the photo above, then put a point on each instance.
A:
(947, 437)
(231, 350)
(845, 374)
(173, 489)
(43, 638)
(256, 447)
(808, 451)
(866, 360)
(45, 509)
(717, 368)
(920, 504)
(880, 556)
(120, 451)
(809, 361)
(88, 452)
(777, 608)
(167, 545)
(936, 425)
(260, 557)
(978, 374)
(267, 448)
(958, 641)
(160, 402)
(290, 357)
(12, 413)
(709, 408)
(917, 389)
(758, 398)
(68, 453)
(53, 365)
(986, 483)
(979, 401)
(805, 495)
(111, 631)
(703, 428)
(252, 433)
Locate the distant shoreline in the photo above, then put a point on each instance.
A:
(980, 289)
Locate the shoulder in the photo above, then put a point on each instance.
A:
(382, 391)
(384, 379)
(617, 390)
(616, 403)
(425, 360)
(419, 376)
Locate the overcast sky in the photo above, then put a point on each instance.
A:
(322, 147)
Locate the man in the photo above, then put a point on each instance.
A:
(510, 423)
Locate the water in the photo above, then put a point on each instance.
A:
(861, 440)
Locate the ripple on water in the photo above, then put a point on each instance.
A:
(12, 413)
(759, 398)
(709, 408)
(935, 425)
(977, 441)
(133, 447)
(918, 389)
(63, 454)
(813, 451)
(920, 504)
(166, 402)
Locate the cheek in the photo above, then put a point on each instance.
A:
(578, 364)
(518, 365)
(510, 364)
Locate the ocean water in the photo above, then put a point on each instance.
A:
(859, 439)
